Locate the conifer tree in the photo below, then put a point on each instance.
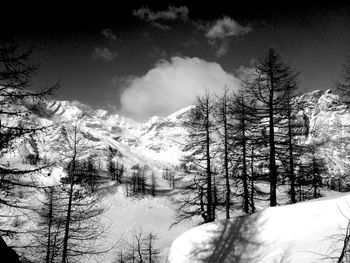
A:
(200, 125)
(224, 124)
(271, 85)
(16, 98)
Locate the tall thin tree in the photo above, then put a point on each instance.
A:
(270, 85)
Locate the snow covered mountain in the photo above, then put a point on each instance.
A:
(328, 121)
(158, 141)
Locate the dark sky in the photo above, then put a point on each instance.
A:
(95, 68)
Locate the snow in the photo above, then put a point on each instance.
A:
(159, 141)
(301, 231)
(298, 233)
(156, 142)
(150, 214)
(54, 178)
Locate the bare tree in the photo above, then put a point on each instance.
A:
(224, 125)
(142, 248)
(151, 248)
(345, 252)
(48, 235)
(16, 101)
(200, 126)
(246, 147)
(271, 83)
(311, 169)
(293, 132)
(81, 219)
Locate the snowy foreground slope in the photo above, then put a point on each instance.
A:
(149, 215)
(301, 233)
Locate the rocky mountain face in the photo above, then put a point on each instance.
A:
(157, 142)
(329, 127)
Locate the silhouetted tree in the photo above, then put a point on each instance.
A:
(344, 256)
(200, 127)
(271, 83)
(224, 124)
(151, 249)
(291, 132)
(246, 140)
(142, 248)
(48, 235)
(82, 226)
(15, 124)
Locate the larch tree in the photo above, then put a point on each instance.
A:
(224, 125)
(48, 235)
(200, 125)
(16, 94)
(270, 85)
(82, 228)
(240, 131)
(244, 133)
(292, 134)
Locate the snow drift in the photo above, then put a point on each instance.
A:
(300, 233)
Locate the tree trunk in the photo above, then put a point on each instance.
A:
(291, 160)
(70, 199)
(228, 188)
(252, 181)
(50, 217)
(272, 164)
(210, 217)
(66, 229)
(244, 170)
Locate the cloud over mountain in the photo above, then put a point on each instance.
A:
(172, 85)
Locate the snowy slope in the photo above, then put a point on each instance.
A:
(156, 142)
(300, 233)
(150, 214)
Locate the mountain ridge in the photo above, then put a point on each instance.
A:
(158, 141)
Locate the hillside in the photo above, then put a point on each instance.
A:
(157, 142)
(300, 233)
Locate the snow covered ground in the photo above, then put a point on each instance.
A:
(300, 233)
(149, 214)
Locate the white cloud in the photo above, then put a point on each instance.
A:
(226, 27)
(172, 85)
(108, 33)
(104, 54)
(220, 32)
(171, 14)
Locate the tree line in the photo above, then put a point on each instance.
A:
(254, 134)
(65, 221)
